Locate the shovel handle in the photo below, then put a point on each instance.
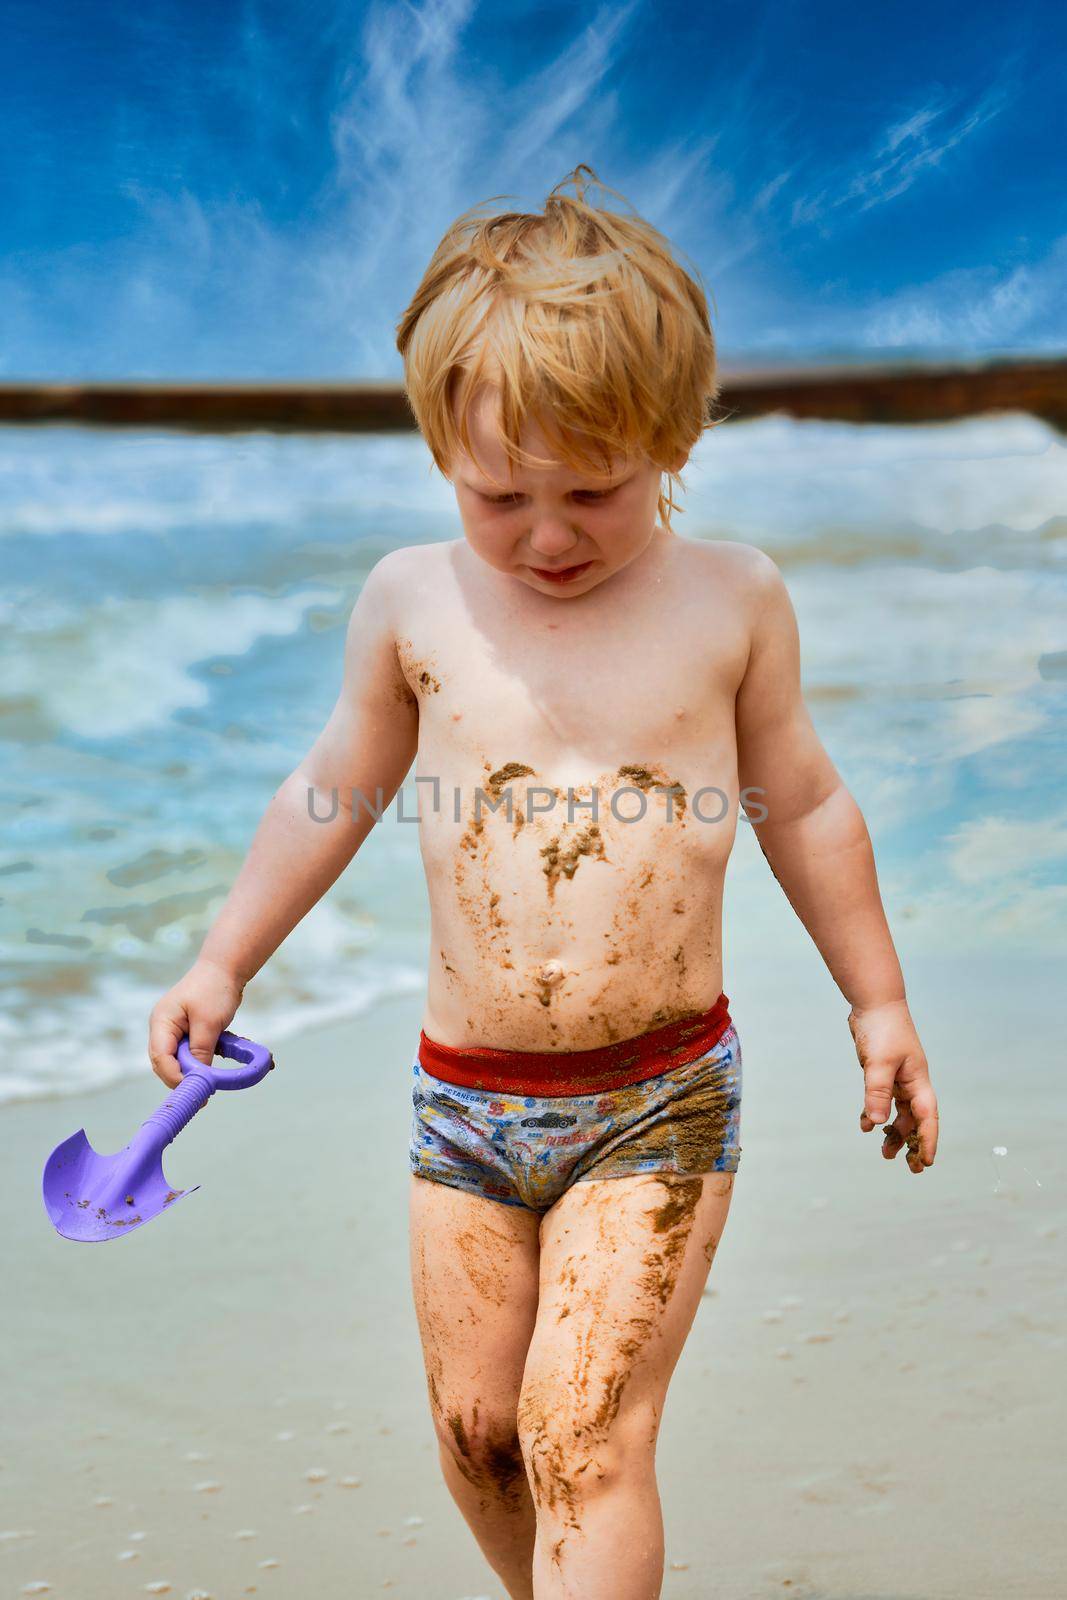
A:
(255, 1062)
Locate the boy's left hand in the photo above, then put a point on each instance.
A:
(895, 1068)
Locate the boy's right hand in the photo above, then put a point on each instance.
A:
(201, 1005)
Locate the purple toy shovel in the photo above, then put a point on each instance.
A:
(91, 1197)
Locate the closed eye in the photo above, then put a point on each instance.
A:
(579, 494)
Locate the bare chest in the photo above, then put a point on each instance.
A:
(572, 696)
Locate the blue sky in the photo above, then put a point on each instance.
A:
(253, 189)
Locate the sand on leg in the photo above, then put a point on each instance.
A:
(474, 1272)
(623, 1263)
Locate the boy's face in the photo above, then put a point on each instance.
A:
(558, 531)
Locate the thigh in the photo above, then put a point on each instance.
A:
(623, 1264)
(474, 1273)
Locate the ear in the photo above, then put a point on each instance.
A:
(679, 461)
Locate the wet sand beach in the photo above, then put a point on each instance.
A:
(231, 1400)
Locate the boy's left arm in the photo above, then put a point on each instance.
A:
(818, 847)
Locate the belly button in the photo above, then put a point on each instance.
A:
(547, 979)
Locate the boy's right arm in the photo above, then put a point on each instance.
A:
(367, 745)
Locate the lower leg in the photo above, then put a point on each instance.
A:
(497, 1506)
(604, 1542)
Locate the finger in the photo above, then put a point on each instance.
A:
(878, 1080)
(894, 1140)
(163, 1036)
(914, 1159)
(904, 1130)
(899, 1130)
(203, 1037)
(924, 1113)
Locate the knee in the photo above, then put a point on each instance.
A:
(485, 1450)
(573, 1453)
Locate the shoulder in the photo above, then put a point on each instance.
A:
(407, 563)
(402, 574)
(742, 583)
(741, 573)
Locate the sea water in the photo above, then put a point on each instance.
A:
(172, 622)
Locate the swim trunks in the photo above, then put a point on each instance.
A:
(681, 1114)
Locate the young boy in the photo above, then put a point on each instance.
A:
(589, 697)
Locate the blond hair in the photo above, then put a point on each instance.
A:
(581, 317)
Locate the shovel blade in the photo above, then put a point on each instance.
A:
(92, 1198)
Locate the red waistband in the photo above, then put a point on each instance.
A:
(608, 1066)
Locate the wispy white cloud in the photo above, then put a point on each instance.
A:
(912, 147)
(991, 307)
(423, 131)
(544, 105)
(976, 307)
(911, 128)
(770, 189)
(421, 127)
(423, 122)
(901, 154)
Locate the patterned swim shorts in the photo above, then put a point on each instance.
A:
(526, 1150)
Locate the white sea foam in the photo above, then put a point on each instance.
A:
(775, 479)
(97, 1039)
(770, 479)
(122, 666)
(906, 626)
(74, 480)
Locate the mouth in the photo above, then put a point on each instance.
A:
(561, 574)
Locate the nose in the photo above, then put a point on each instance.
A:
(552, 537)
